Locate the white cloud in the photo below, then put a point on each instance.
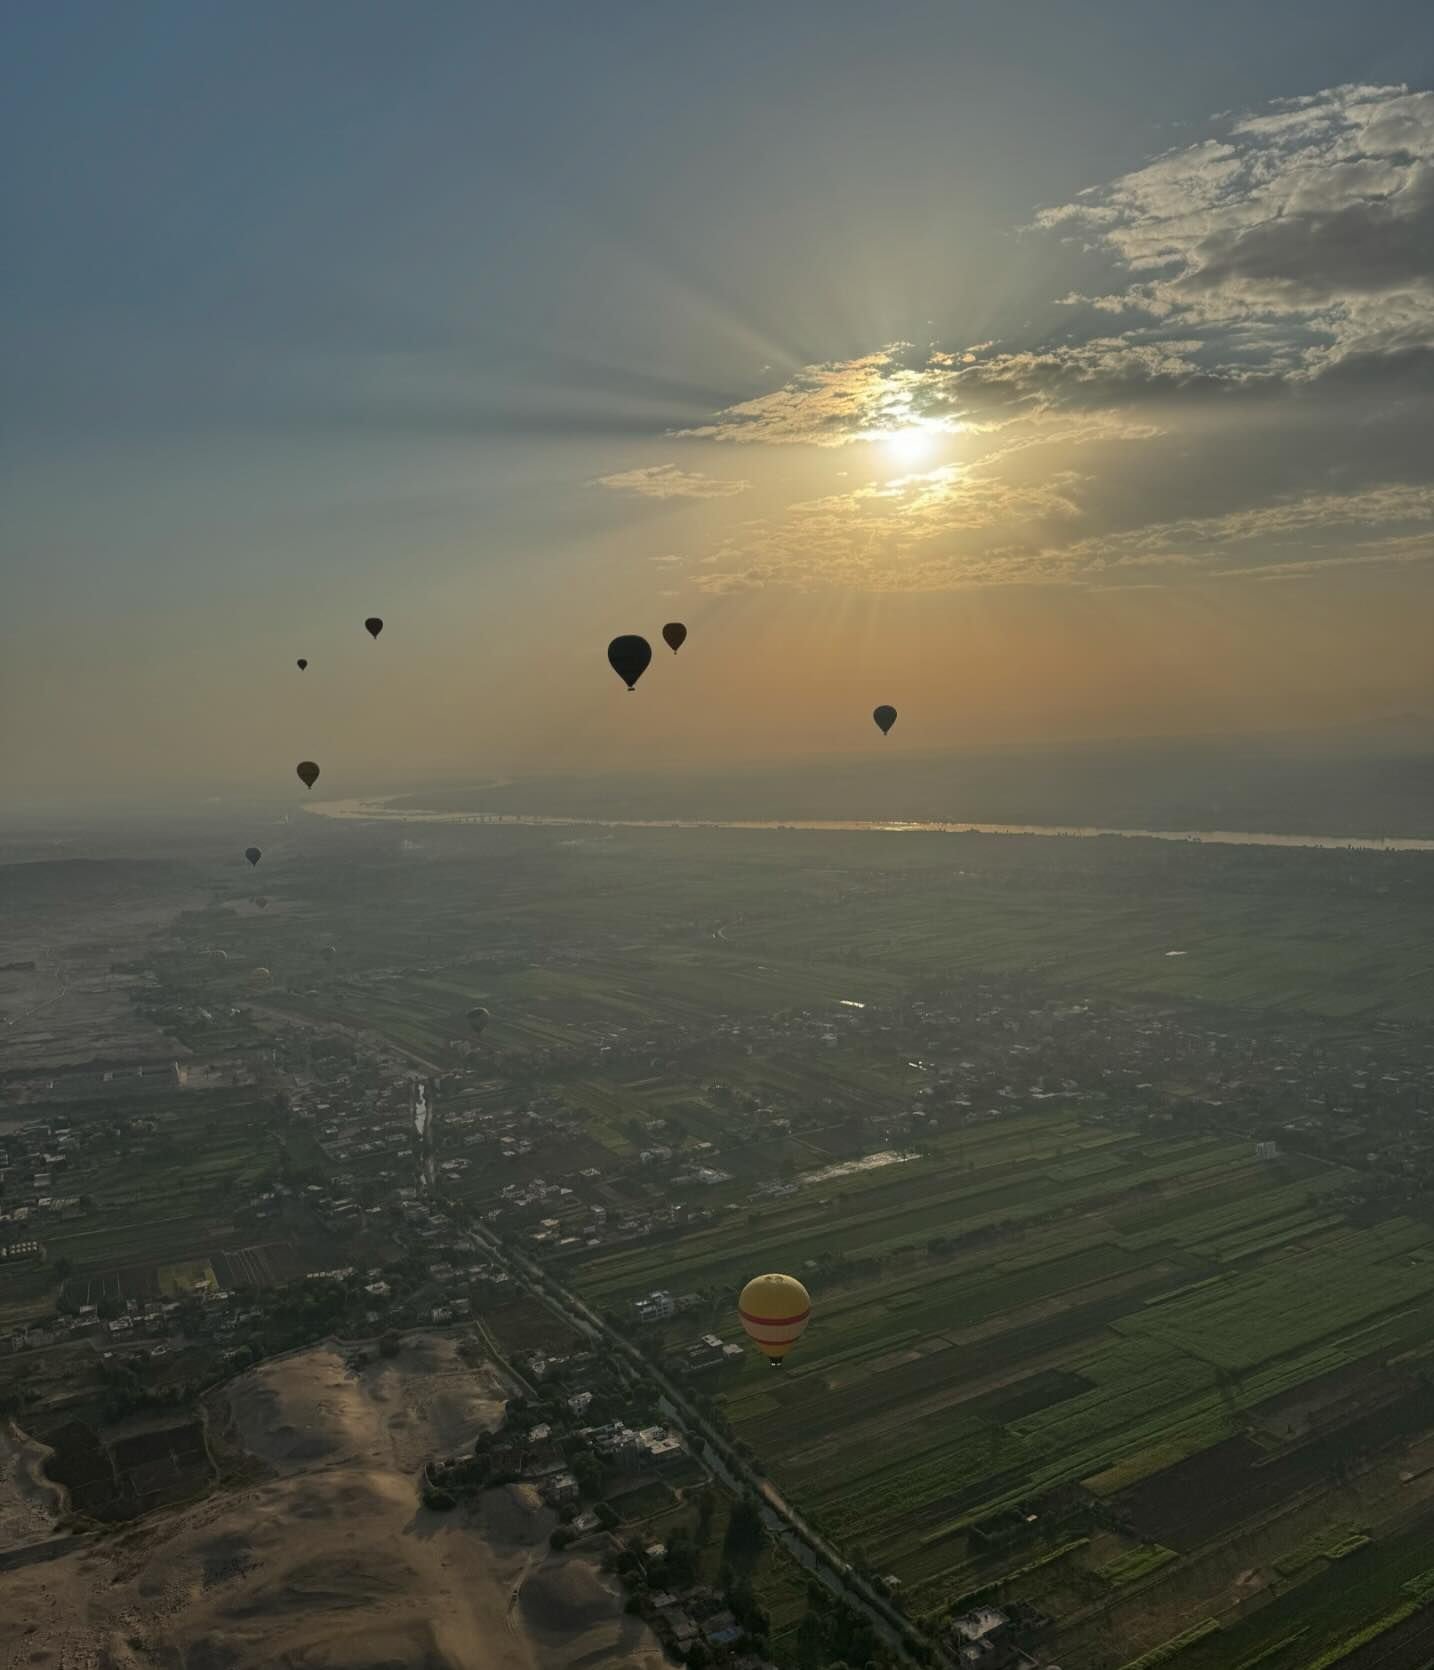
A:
(1318, 213)
(1264, 350)
(666, 481)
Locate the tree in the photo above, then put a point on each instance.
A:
(745, 1536)
(588, 1471)
(389, 1344)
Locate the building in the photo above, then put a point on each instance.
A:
(984, 1639)
(562, 1487)
(658, 1306)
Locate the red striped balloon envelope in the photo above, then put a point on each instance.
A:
(774, 1310)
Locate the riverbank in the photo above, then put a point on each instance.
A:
(381, 811)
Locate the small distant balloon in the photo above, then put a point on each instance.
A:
(674, 635)
(260, 975)
(477, 1018)
(308, 773)
(220, 957)
(301, 663)
(374, 625)
(262, 902)
(629, 657)
(253, 854)
(330, 952)
(885, 717)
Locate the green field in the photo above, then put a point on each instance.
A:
(1078, 1345)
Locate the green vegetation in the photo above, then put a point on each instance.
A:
(1173, 1647)
(1136, 1563)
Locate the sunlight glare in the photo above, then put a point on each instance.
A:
(909, 446)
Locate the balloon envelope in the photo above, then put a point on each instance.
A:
(374, 625)
(774, 1310)
(308, 773)
(674, 635)
(885, 717)
(301, 663)
(253, 854)
(628, 656)
(262, 902)
(478, 1018)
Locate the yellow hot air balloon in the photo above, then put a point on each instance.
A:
(774, 1310)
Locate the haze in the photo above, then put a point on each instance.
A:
(958, 357)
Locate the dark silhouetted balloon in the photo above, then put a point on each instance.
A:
(478, 1018)
(374, 625)
(628, 657)
(674, 635)
(308, 773)
(262, 902)
(301, 663)
(253, 854)
(885, 717)
(331, 951)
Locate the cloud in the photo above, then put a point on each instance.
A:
(1317, 214)
(880, 393)
(666, 481)
(933, 536)
(1249, 394)
(936, 530)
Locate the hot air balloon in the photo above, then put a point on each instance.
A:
(774, 1311)
(674, 635)
(885, 717)
(260, 976)
(253, 854)
(262, 902)
(477, 1018)
(330, 952)
(628, 657)
(219, 958)
(308, 773)
(301, 663)
(374, 625)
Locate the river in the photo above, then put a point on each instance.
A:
(380, 811)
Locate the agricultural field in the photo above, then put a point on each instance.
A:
(1058, 1362)
(995, 1100)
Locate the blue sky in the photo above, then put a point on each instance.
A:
(526, 325)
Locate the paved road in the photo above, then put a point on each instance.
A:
(807, 1545)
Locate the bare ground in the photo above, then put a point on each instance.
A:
(332, 1561)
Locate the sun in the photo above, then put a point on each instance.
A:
(909, 446)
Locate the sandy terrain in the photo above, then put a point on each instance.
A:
(29, 1503)
(332, 1562)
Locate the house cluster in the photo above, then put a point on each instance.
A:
(684, 1617)
(661, 1306)
(34, 1162)
(703, 1355)
(995, 1638)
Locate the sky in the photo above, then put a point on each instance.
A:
(1047, 371)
